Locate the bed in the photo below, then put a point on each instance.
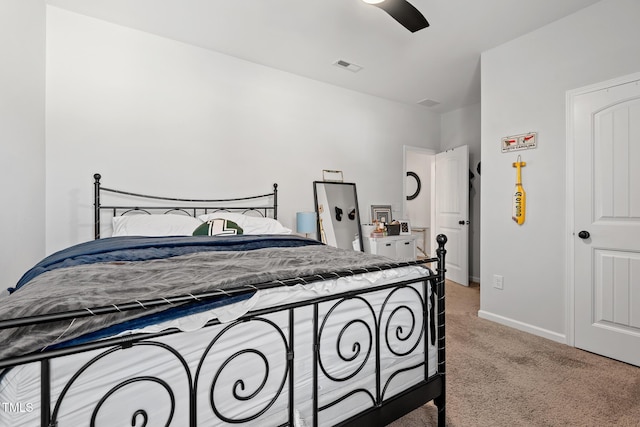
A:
(242, 323)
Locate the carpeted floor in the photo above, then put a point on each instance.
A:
(499, 376)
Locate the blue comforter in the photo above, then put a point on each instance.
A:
(138, 248)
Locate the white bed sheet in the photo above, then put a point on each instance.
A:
(21, 385)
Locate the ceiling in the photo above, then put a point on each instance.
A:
(440, 63)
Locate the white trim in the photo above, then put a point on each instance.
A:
(569, 233)
(432, 224)
(525, 327)
(569, 196)
(474, 279)
(618, 81)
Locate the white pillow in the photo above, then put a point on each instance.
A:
(154, 225)
(249, 224)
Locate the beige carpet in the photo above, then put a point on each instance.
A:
(498, 376)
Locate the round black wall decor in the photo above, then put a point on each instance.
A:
(418, 185)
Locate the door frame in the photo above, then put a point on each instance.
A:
(569, 192)
(432, 184)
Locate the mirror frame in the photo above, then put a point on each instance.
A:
(355, 195)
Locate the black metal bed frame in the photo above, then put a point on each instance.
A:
(194, 208)
(383, 409)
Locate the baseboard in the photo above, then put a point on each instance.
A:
(474, 279)
(525, 327)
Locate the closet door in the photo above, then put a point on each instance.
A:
(606, 265)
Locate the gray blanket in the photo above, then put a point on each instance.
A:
(101, 284)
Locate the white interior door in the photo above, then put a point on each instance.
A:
(606, 141)
(452, 210)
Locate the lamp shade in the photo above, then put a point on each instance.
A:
(306, 222)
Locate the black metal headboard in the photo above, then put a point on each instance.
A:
(192, 207)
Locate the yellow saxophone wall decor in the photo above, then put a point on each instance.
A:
(519, 196)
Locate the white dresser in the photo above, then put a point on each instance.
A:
(402, 248)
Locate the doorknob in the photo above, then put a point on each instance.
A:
(462, 222)
(584, 234)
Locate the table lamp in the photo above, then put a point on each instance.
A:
(306, 223)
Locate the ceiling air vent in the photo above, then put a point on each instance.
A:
(428, 103)
(347, 65)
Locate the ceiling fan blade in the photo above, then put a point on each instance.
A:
(405, 13)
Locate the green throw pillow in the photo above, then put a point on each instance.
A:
(218, 227)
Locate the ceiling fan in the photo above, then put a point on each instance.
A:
(403, 12)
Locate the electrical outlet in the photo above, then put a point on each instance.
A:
(498, 281)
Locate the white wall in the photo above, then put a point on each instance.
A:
(524, 83)
(22, 77)
(462, 127)
(159, 116)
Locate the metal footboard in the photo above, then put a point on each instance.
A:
(276, 398)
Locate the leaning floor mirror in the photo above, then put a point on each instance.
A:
(338, 214)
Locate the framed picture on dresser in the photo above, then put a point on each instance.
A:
(381, 213)
(405, 226)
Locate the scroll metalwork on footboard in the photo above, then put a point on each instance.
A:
(341, 359)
